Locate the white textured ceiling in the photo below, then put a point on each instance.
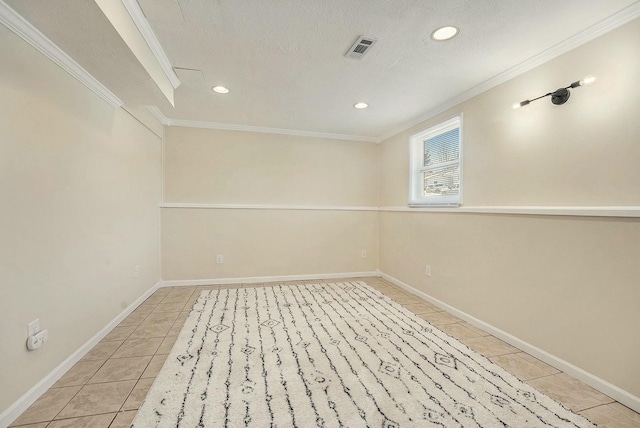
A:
(283, 60)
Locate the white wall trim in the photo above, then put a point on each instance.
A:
(246, 128)
(158, 115)
(591, 211)
(258, 279)
(27, 32)
(264, 207)
(266, 130)
(137, 15)
(614, 21)
(17, 408)
(601, 385)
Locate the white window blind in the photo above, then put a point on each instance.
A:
(436, 165)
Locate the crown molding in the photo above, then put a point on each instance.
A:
(27, 32)
(137, 15)
(155, 111)
(614, 21)
(245, 128)
(265, 130)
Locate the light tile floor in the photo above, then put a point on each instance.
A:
(106, 387)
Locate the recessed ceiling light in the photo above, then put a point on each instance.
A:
(444, 33)
(220, 89)
(361, 105)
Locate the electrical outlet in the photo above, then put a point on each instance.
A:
(36, 341)
(363, 254)
(33, 327)
(136, 271)
(219, 259)
(427, 270)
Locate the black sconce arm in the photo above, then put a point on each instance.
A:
(559, 96)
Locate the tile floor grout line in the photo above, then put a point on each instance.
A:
(131, 392)
(542, 377)
(74, 417)
(598, 405)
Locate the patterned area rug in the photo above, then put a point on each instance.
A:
(331, 355)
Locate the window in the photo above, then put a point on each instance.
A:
(436, 176)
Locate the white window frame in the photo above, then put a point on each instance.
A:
(416, 144)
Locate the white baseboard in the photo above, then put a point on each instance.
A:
(23, 403)
(594, 381)
(255, 279)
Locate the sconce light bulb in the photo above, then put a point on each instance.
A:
(588, 80)
(516, 106)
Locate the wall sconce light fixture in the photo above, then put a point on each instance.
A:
(559, 96)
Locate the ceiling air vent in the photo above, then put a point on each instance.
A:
(360, 47)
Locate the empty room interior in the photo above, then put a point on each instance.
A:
(484, 185)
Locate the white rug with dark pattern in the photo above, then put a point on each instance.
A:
(331, 355)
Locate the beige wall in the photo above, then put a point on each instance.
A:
(231, 167)
(568, 285)
(228, 167)
(146, 119)
(258, 243)
(80, 185)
